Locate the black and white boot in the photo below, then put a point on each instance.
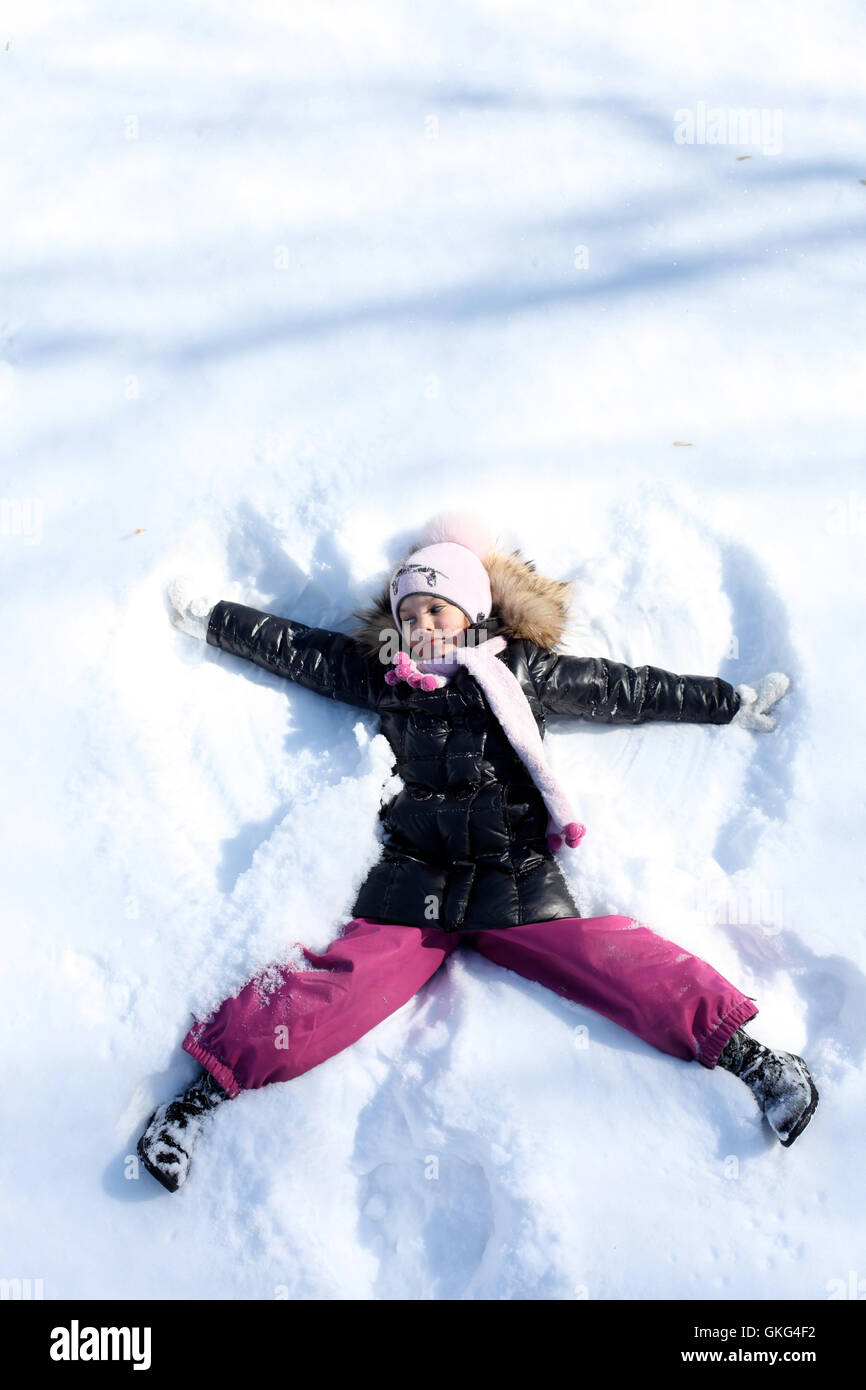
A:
(779, 1081)
(173, 1129)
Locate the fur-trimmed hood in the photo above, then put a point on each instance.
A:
(525, 603)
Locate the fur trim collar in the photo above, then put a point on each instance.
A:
(526, 604)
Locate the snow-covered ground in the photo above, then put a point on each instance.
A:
(278, 282)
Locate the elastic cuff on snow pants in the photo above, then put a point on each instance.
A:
(218, 1070)
(714, 1046)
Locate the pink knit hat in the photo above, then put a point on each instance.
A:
(449, 566)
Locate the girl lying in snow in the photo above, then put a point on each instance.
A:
(470, 840)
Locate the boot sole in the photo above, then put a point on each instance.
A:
(804, 1118)
(170, 1184)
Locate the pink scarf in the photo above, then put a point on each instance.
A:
(511, 707)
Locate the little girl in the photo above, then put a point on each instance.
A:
(459, 658)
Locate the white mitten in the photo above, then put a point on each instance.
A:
(754, 703)
(190, 609)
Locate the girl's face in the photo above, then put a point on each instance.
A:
(432, 623)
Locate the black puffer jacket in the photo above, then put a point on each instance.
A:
(464, 844)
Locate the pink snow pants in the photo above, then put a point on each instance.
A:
(277, 1028)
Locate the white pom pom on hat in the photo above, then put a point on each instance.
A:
(463, 528)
